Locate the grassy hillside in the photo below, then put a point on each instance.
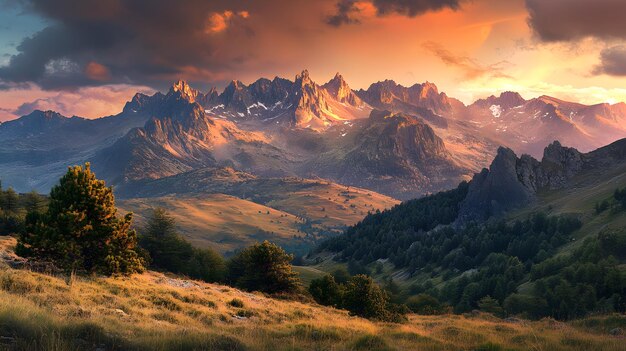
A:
(580, 199)
(291, 212)
(221, 221)
(153, 311)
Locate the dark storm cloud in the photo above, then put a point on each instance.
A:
(612, 61)
(347, 10)
(92, 42)
(413, 8)
(566, 20)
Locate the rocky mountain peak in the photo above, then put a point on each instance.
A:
(505, 101)
(341, 91)
(428, 89)
(183, 89)
(389, 95)
(511, 99)
(512, 182)
(234, 86)
(46, 115)
(303, 77)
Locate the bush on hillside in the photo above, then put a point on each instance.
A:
(264, 267)
(81, 229)
(364, 298)
(360, 295)
(326, 291)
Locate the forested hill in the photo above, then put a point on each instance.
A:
(556, 251)
(380, 234)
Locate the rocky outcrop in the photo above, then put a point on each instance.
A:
(512, 182)
(496, 190)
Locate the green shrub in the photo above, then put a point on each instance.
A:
(424, 304)
(326, 291)
(490, 305)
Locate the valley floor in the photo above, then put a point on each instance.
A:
(152, 311)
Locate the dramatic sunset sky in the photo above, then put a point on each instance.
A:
(86, 57)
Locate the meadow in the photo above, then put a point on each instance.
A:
(154, 311)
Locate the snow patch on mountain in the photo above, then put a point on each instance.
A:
(496, 110)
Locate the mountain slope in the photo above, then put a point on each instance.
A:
(223, 222)
(394, 154)
(37, 148)
(180, 137)
(229, 209)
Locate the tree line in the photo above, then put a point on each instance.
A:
(14, 206)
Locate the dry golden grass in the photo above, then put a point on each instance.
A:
(220, 221)
(153, 311)
(227, 222)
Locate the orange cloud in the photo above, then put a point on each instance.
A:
(468, 66)
(96, 71)
(219, 22)
(89, 102)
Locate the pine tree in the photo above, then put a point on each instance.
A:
(10, 201)
(166, 248)
(81, 229)
(34, 202)
(490, 305)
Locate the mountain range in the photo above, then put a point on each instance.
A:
(403, 142)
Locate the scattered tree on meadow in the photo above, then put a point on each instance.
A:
(81, 229)
(166, 248)
(263, 267)
(169, 251)
(341, 275)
